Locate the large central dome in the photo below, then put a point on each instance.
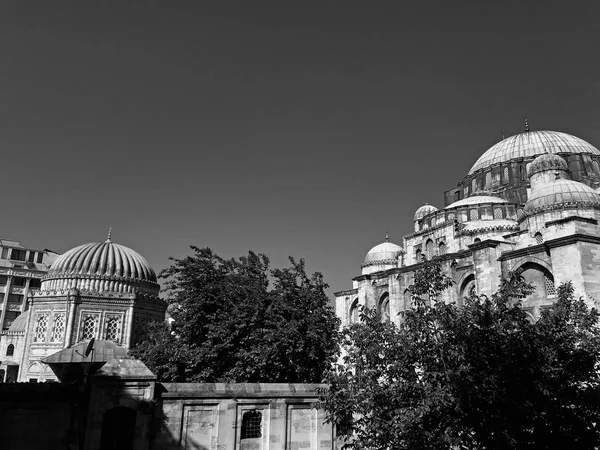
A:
(103, 267)
(530, 144)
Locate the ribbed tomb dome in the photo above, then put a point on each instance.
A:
(102, 267)
(562, 193)
(547, 162)
(532, 143)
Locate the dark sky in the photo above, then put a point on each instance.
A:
(303, 128)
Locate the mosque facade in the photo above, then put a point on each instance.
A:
(530, 203)
(104, 291)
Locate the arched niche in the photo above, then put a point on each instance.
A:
(384, 307)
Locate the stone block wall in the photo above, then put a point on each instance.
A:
(241, 417)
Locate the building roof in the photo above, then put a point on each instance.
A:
(476, 200)
(103, 351)
(562, 192)
(532, 143)
(383, 252)
(425, 210)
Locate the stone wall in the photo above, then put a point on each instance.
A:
(242, 417)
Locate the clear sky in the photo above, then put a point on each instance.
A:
(304, 128)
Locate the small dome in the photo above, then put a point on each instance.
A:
(425, 210)
(20, 323)
(383, 252)
(532, 143)
(476, 200)
(561, 192)
(105, 266)
(547, 162)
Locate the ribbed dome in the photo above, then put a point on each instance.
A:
(476, 200)
(425, 210)
(547, 162)
(101, 267)
(530, 144)
(383, 252)
(562, 193)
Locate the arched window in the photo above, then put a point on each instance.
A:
(498, 213)
(474, 185)
(354, 315)
(118, 429)
(473, 214)
(251, 425)
(429, 249)
(88, 326)
(113, 328)
(418, 255)
(41, 327)
(539, 238)
(505, 175)
(541, 279)
(58, 328)
(442, 248)
(10, 350)
(596, 167)
(467, 287)
(477, 240)
(384, 307)
(488, 180)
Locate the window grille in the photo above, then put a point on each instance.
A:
(88, 326)
(10, 350)
(442, 248)
(505, 175)
(519, 213)
(549, 281)
(251, 425)
(498, 213)
(473, 214)
(596, 167)
(40, 328)
(58, 327)
(539, 238)
(113, 328)
(488, 180)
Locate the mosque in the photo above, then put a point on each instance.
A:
(529, 203)
(104, 291)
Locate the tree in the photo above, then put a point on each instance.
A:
(476, 377)
(237, 320)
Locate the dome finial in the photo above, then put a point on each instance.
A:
(109, 235)
(502, 132)
(526, 125)
(387, 238)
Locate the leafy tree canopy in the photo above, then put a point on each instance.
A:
(479, 376)
(238, 320)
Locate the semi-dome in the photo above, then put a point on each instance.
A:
(547, 162)
(19, 324)
(103, 267)
(383, 252)
(533, 143)
(559, 193)
(476, 200)
(424, 210)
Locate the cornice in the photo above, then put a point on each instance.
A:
(556, 207)
(488, 243)
(380, 262)
(465, 232)
(553, 243)
(571, 219)
(346, 292)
